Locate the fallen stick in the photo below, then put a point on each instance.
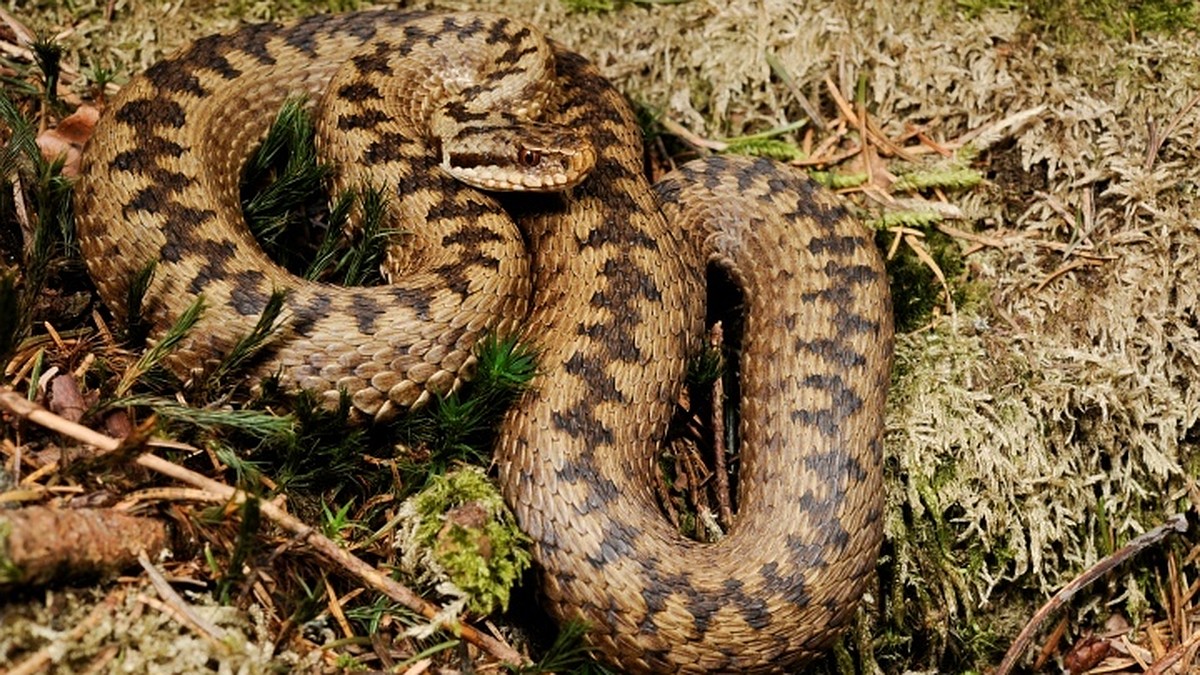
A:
(1176, 523)
(41, 543)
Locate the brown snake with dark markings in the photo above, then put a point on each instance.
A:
(611, 293)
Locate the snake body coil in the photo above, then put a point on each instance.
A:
(612, 294)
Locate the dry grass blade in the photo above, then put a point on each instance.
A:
(1066, 268)
(813, 112)
(19, 29)
(178, 606)
(989, 134)
(692, 138)
(923, 254)
(1157, 138)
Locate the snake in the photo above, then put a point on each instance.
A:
(602, 271)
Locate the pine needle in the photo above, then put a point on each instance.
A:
(153, 356)
(258, 424)
(360, 265)
(136, 326)
(250, 344)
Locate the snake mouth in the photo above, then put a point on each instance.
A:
(536, 172)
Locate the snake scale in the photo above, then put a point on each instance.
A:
(605, 276)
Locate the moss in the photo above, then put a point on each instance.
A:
(949, 177)
(839, 181)
(766, 144)
(916, 291)
(144, 641)
(347, 663)
(474, 537)
(285, 8)
(1077, 20)
(9, 571)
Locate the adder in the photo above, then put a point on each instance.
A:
(605, 276)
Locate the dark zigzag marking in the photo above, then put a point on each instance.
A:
(247, 297)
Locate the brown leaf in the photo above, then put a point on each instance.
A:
(65, 398)
(117, 424)
(1086, 653)
(68, 138)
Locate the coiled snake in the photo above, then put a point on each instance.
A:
(611, 292)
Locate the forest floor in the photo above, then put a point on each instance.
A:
(1031, 172)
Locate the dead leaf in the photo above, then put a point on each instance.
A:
(68, 138)
(1086, 653)
(66, 399)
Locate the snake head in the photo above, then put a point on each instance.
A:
(520, 156)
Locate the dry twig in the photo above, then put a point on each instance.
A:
(44, 543)
(180, 608)
(716, 340)
(1177, 523)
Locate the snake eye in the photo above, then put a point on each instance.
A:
(528, 157)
